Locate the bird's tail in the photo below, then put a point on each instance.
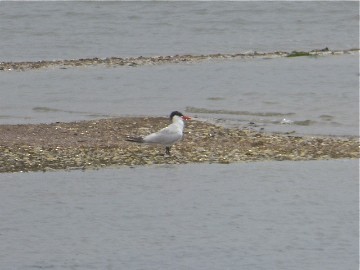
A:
(134, 139)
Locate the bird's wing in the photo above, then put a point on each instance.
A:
(165, 136)
(134, 139)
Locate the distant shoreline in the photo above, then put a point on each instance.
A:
(157, 60)
(101, 143)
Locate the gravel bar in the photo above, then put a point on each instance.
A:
(158, 60)
(99, 143)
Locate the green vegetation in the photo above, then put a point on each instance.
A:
(298, 54)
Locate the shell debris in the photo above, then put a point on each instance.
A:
(100, 143)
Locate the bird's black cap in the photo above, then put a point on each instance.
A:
(175, 113)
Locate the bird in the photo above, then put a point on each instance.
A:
(167, 136)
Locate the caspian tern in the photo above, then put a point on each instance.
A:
(166, 136)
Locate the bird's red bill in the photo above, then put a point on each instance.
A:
(184, 117)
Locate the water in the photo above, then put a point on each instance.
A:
(261, 91)
(265, 215)
(271, 215)
(316, 95)
(39, 31)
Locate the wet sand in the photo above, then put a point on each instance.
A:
(100, 143)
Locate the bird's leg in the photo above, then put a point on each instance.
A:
(167, 150)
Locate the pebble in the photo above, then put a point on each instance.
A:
(141, 60)
(102, 143)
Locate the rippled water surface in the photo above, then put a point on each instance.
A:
(262, 215)
(316, 95)
(271, 215)
(312, 95)
(39, 31)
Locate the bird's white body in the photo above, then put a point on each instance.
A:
(166, 136)
(169, 135)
